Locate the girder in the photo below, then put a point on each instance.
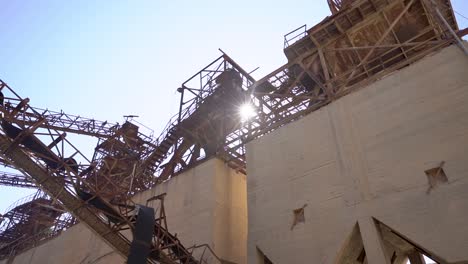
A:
(73, 184)
(363, 41)
(16, 180)
(60, 121)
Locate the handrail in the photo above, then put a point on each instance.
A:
(289, 40)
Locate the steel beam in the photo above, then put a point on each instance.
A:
(73, 204)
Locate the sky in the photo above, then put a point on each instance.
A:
(109, 58)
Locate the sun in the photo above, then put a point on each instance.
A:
(247, 111)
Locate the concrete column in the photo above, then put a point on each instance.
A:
(400, 259)
(416, 258)
(373, 244)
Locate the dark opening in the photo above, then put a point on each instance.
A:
(436, 176)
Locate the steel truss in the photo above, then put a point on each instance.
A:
(338, 5)
(325, 62)
(16, 180)
(36, 214)
(363, 41)
(59, 120)
(89, 189)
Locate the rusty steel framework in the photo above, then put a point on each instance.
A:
(361, 42)
(35, 214)
(16, 180)
(338, 5)
(97, 191)
(208, 122)
(115, 143)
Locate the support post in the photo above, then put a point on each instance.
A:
(416, 258)
(372, 241)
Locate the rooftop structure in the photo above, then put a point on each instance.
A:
(361, 42)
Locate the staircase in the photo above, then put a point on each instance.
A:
(160, 152)
(162, 148)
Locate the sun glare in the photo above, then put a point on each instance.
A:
(247, 111)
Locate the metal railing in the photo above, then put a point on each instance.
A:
(295, 35)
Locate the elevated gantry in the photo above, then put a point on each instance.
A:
(361, 42)
(94, 191)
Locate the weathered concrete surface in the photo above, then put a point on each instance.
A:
(76, 245)
(364, 156)
(207, 204)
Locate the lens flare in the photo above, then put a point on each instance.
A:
(247, 111)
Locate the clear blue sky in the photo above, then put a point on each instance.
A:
(105, 59)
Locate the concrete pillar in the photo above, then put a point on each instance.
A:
(400, 259)
(416, 258)
(373, 244)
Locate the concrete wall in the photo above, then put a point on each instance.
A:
(76, 245)
(359, 158)
(206, 204)
(364, 156)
